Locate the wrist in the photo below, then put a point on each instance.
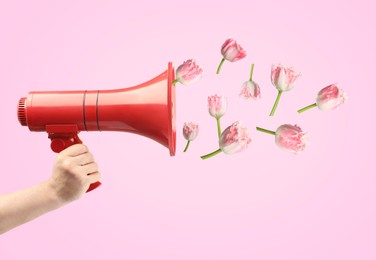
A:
(52, 195)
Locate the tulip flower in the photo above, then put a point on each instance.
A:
(283, 78)
(190, 132)
(234, 139)
(231, 51)
(290, 138)
(217, 108)
(250, 89)
(188, 73)
(328, 98)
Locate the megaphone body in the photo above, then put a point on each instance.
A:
(147, 109)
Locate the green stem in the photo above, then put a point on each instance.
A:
(175, 81)
(220, 65)
(307, 107)
(276, 103)
(265, 130)
(219, 126)
(211, 154)
(186, 147)
(252, 66)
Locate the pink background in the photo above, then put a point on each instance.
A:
(261, 204)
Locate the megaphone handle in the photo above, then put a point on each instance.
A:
(93, 185)
(58, 144)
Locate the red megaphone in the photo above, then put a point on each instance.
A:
(147, 109)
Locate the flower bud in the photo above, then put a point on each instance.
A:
(330, 97)
(234, 138)
(250, 90)
(188, 73)
(291, 138)
(232, 51)
(190, 131)
(283, 77)
(217, 105)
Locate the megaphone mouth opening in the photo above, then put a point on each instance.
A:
(172, 109)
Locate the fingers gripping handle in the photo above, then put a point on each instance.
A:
(64, 136)
(58, 144)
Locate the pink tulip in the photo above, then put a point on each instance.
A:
(217, 108)
(231, 51)
(234, 139)
(187, 73)
(283, 78)
(328, 98)
(289, 137)
(331, 97)
(190, 132)
(217, 105)
(250, 89)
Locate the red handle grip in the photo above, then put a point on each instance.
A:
(61, 141)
